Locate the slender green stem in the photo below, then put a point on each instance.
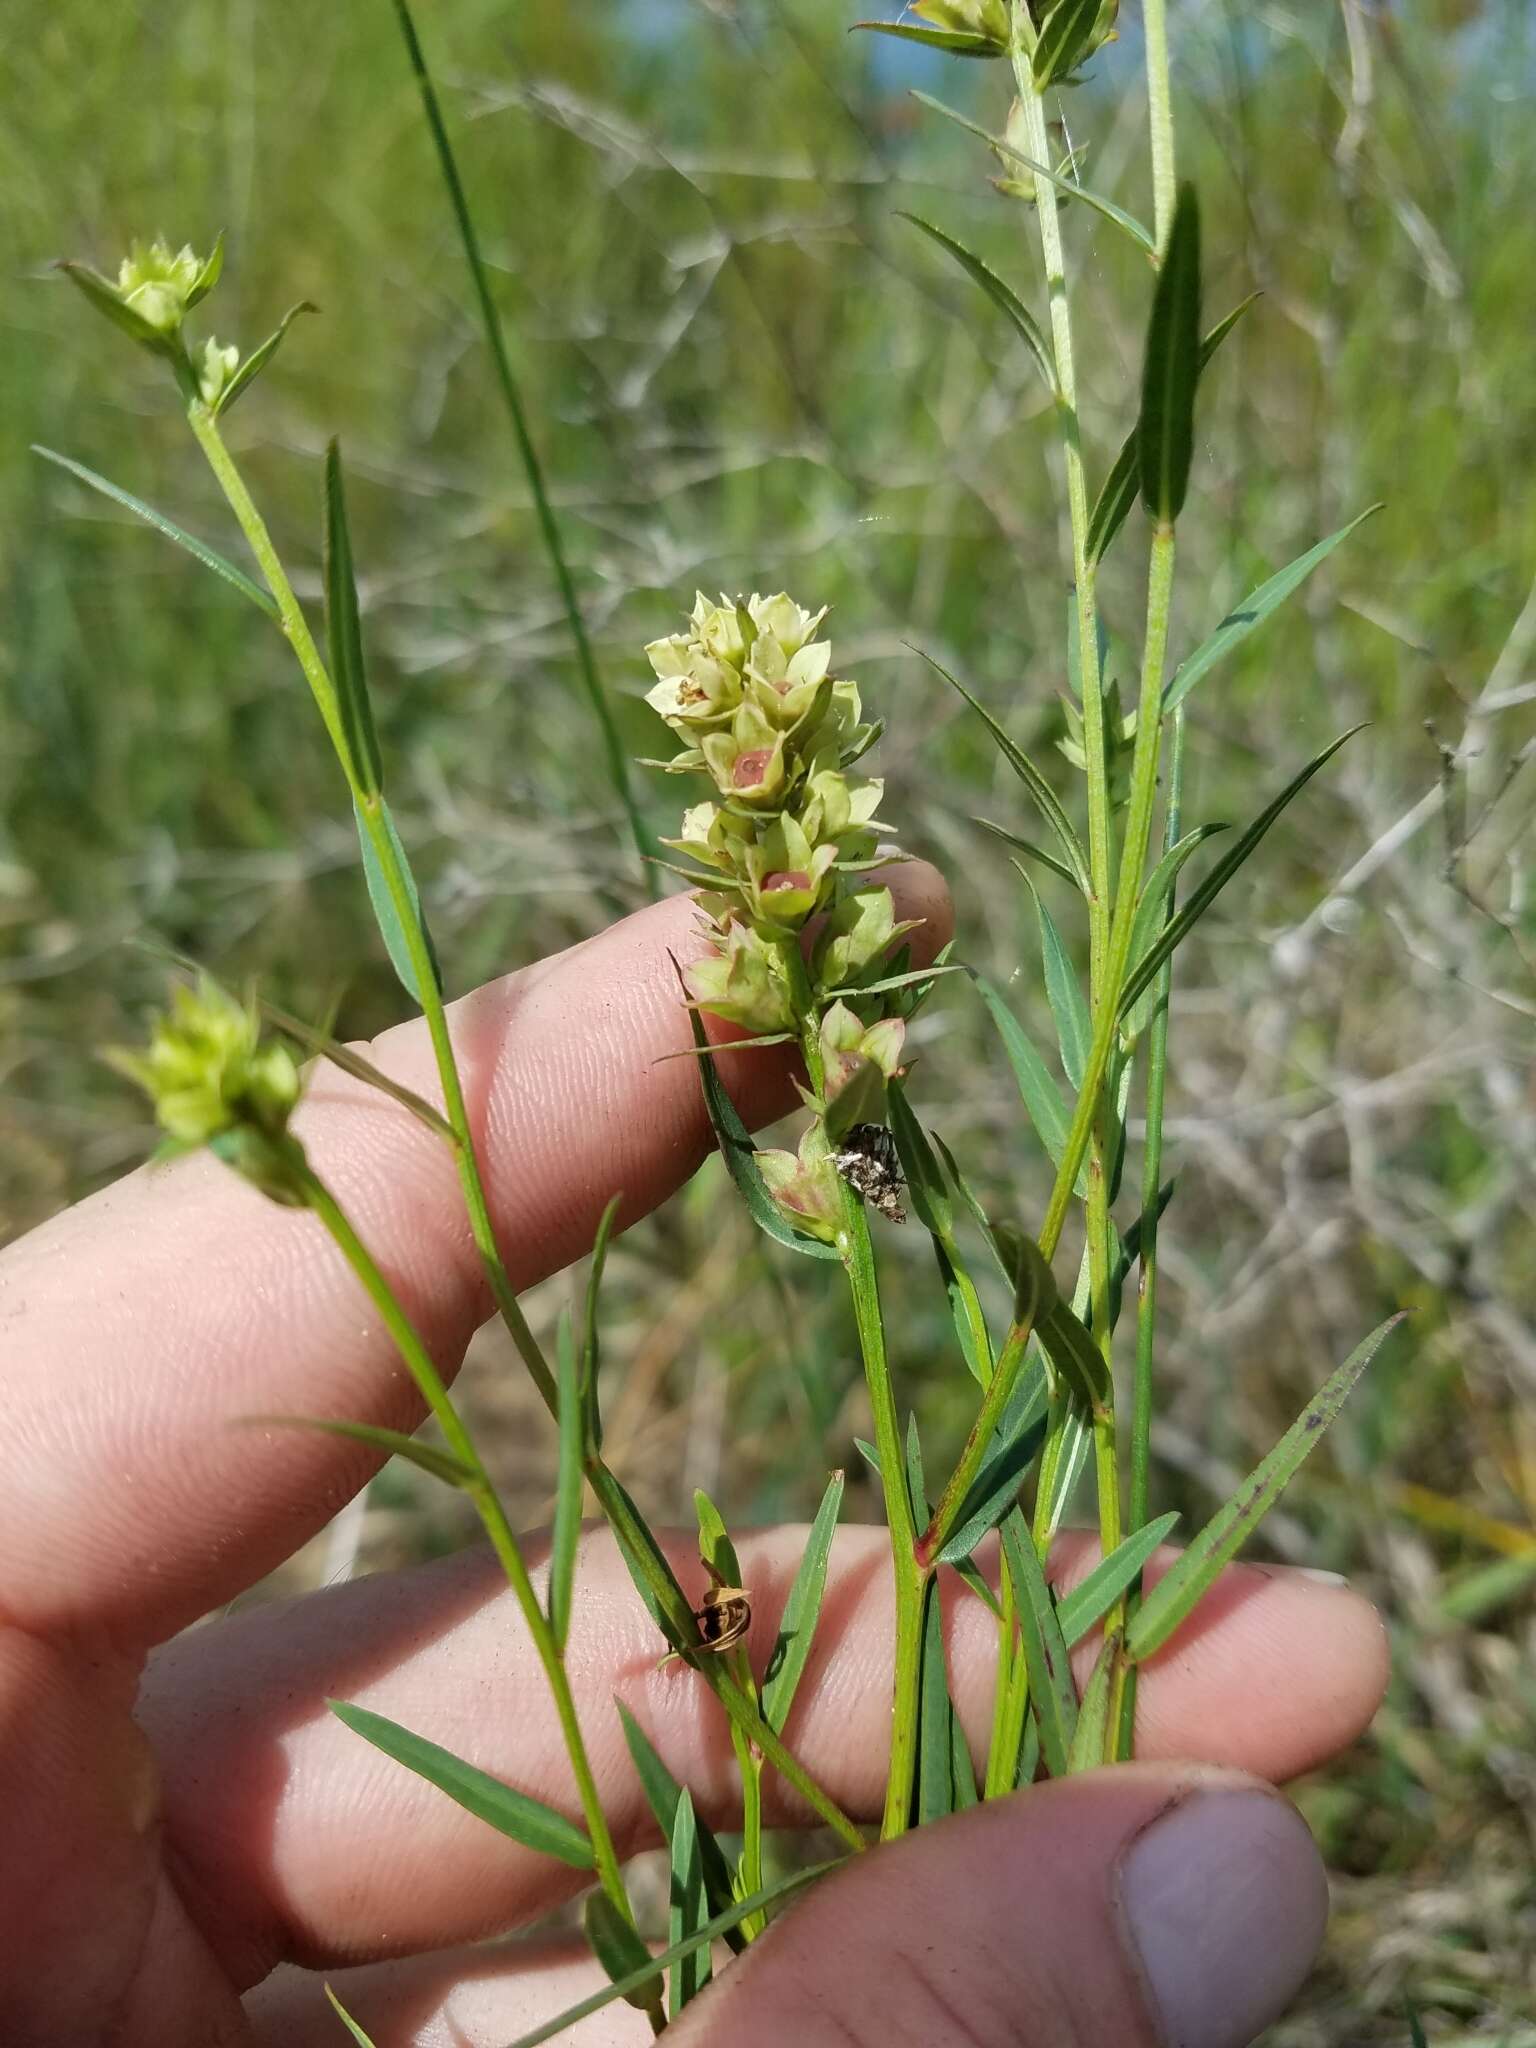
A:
(749, 1764)
(1154, 28)
(613, 746)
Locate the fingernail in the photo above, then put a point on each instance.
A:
(1226, 1900)
(1319, 1576)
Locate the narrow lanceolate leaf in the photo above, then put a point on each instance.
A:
(1090, 1735)
(632, 1534)
(1003, 296)
(632, 1974)
(688, 1910)
(1122, 220)
(1028, 848)
(108, 300)
(737, 1150)
(1041, 1096)
(259, 358)
(955, 42)
(1088, 1603)
(662, 1793)
(797, 1624)
(393, 1442)
(1046, 800)
(1165, 432)
(1069, 1009)
(344, 636)
(996, 1486)
(715, 1546)
(566, 1534)
(352, 1062)
(1052, 1695)
(1072, 1351)
(1176, 1595)
(529, 1821)
(1255, 608)
(935, 1791)
(351, 2025)
(591, 1329)
(931, 1203)
(385, 914)
(917, 1485)
(1064, 38)
(198, 549)
(1152, 916)
(645, 1973)
(1174, 933)
(1117, 494)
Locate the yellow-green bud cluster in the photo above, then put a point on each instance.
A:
(750, 691)
(158, 285)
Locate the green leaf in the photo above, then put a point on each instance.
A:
(965, 1570)
(1028, 847)
(716, 1550)
(385, 916)
(931, 1203)
(198, 549)
(1096, 200)
(1064, 38)
(247, 372)
(631, 1971)
(739, 1910)
(1002, 296)
(1088, 1603)
(1052, 1695)
(566, 1534)
(935, 1788)
(347, 2020)
(996, 1486)
(1074, 1354)
(689, 1909)
(917, 1485)
(1046, 800)
(1152, 916)
(1174, 933)
(1068, 1440)
(1041, 1097)
(1130, 1252)
(208, 276)
(737, 1150)
(630, 1535)
(393, 1442)
(1472, 1596)
(1176, 1595)
(591, 1337)
(797, 1624)
(344, 636)
(1171, 372)
(1090, 1736)
(352, 1062)
(108, 300)
(529, 1821)
(662, 1793)
(1074, 1026)
(1255, 608)
(955, 41)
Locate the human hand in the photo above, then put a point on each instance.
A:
(182, 1820)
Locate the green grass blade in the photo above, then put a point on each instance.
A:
(1040, 1094)
(529, 1821)
(347, 2020)
(688, 1910)
(198, 549)
(797, 1624)
(1064, 36)
(1052, 1695)
(385, 914)
(1069, 1009)
(1122, 220)
(344, 636)
(954, 42)
(1165, 431)
(569, 1487)
(247, 373)
(1176, 1595)
(741, 1909)
(394, 1443)
(1255, 608)
(1088, 1603)
(1046, 800)
(1174, 933)
(1003, 296)
(622, 1953)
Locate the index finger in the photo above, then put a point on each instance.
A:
(139, 1324)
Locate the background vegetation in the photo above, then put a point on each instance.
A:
(746, 371)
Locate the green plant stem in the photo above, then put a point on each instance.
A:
(1154, 26)
(614, 755)
(749, 1764)
(492, 1515)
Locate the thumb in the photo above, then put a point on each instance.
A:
(1147, 1906)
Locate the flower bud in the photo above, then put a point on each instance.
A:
(804, 1185)
(987, 18)
(747, 762)
(742, 982)
(218, 366)
(856, 937)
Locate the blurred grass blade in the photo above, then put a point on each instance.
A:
(662, 1793)
(1122, 220)
(1002, 296)
(344, 636)
(1090, 1736)
(1069, 1010)
(1255, 608)
(591, 1326)
(198, 549)
(1117, 494)
(1471, 1597)
(1176, 1595)
(258, 359)
(394, 1443)
(737, 1150)
(566, 1534)
(529, 1821)
(1064, 37)
(1151, 917)
(741, 1909)
(1041, 1096)
(955, 42)
(1028, 848)
(1052, 1695)
(615, 754)
(1088, 1603)
(385, 914)
(797, 1624)
(1174, 933)
(347, 2020)
(935, 1790)
(1046, 800)
(622, 1953)
(1165, 431)
(688, 1910)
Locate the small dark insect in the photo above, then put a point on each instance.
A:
(867, 1161)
